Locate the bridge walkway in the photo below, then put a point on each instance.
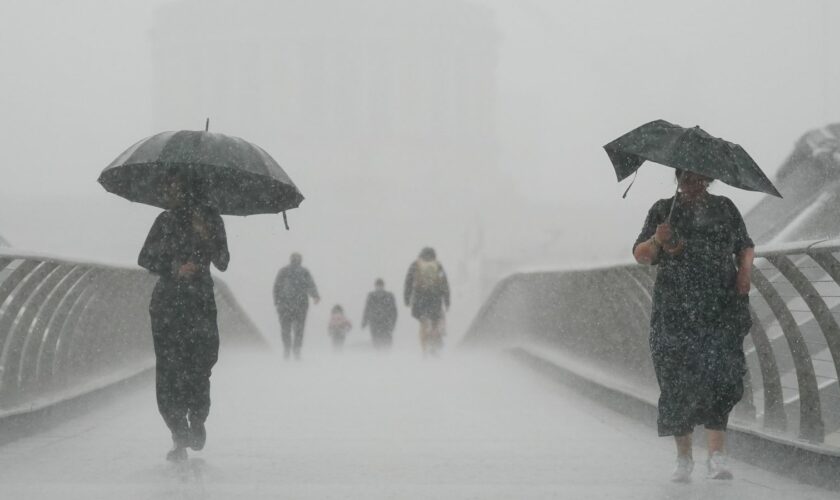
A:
(366, 426)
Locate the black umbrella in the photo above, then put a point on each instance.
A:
(691, 149)
(236, 177)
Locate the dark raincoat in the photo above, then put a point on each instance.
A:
(381, 314)
(426, 303)
(183, 313)
(698, 322)
(292, 288)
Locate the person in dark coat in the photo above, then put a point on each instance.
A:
(180, 247)
(700, 315)
(381, 315)
(292, 289)
(426, 290)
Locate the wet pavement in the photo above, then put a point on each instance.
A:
(368, 426)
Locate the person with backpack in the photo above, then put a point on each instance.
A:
(381, 315)
(292, 289)
(427, 293)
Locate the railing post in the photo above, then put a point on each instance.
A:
(774, 406)
(811, 425)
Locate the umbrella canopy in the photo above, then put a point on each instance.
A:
(236, 177)
(691, 149)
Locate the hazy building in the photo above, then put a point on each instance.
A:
(397, 90)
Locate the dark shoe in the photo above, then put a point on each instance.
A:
(177, 454)
(198, 435)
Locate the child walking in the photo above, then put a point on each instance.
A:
(339, 327)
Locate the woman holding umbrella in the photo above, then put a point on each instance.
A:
(180, 247)
(196, 176)
(701, 308)
(700, 314)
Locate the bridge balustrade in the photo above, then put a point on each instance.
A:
(601, 315)
(68, 328)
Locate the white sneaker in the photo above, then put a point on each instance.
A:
(717, 466)
(682, 473)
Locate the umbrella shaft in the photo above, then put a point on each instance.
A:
(673, 204)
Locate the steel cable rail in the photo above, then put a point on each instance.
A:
(601, 315)
(68, 328)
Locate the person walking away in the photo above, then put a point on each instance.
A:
(179, 249)
(339, 327)
(426, 291)
(381, 315)
(700, 315)
(293, 287)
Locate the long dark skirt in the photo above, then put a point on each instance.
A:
(700, 378)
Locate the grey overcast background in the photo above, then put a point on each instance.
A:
(475, 127)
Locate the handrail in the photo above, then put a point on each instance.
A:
(68, 327)
(793, 368)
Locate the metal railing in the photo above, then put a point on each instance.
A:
(67, 328)
(603, 314)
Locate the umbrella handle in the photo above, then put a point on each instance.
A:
(207, 125)
(285, 221)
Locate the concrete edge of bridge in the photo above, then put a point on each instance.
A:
(26, 422)
(794, 460)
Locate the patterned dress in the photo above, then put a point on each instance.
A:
(698, 321)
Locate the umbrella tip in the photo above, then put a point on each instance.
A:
(207, 124)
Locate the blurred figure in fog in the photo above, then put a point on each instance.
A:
(292, 289)
(427, 292)
(381, 315)
(339, 327)
(700, 315)
(180, 247)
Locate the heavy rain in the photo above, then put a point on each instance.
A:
(419, 249)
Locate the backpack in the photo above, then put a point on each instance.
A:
(427, 277)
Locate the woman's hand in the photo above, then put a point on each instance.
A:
(663, 234)
(674, 249)
(187, 270)
(745, 262)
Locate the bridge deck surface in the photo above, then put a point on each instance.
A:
(365, 426)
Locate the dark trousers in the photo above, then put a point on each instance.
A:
(291, 330)
(182, 379)
(382, 336)
(186, 341)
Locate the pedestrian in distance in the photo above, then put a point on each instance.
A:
(180, 247)
(380, 315)
(293, 288)
(339, 327)
(426, 291)
(700, 315)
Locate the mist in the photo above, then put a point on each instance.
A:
(472, 127)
